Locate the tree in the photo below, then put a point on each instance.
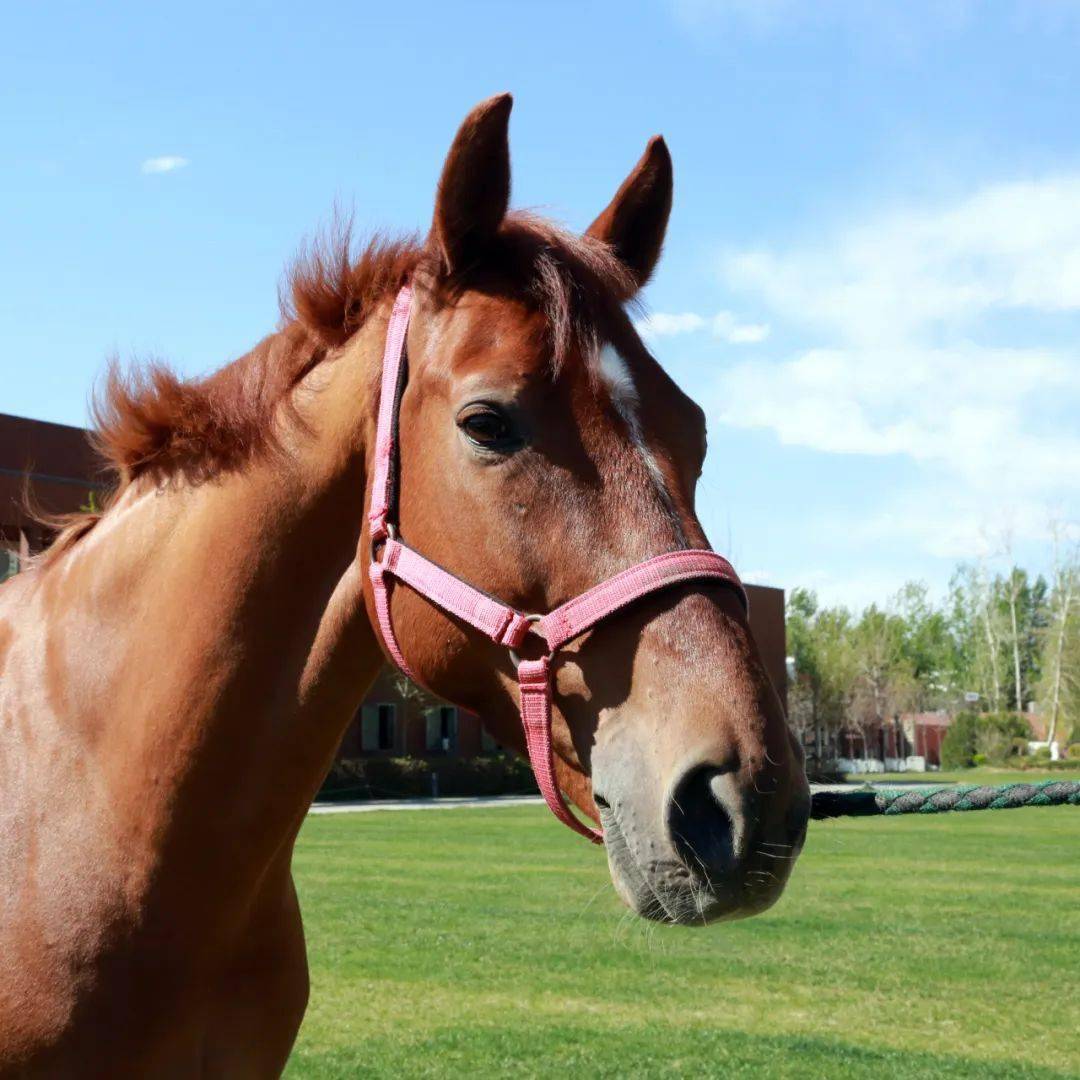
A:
(804, 681)
(1010, 637)
(932, 648)
(979, 625)
(884, 684)
(1023, 602)
(1061, 639)
(821, 681)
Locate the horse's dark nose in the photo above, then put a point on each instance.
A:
(711, 818)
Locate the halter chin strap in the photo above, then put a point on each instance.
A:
(393, 560)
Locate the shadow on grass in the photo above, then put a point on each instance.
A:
(559, 1050)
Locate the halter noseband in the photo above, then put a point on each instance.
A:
(390, 558)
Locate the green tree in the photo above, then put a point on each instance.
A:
(932, 647)
(979, 625)
(1059, 642)
(884, 682)
(990, 735)
(823, 669)
(1021, 605)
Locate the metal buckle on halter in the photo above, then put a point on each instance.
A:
(385, 531)
(513, 652)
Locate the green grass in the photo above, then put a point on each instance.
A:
(489, 942)
(986, 775)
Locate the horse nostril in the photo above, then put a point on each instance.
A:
(707, 820)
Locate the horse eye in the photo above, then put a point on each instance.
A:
(488, 428)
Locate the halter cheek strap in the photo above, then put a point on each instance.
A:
(393, 560)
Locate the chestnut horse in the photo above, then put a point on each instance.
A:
(176, 673)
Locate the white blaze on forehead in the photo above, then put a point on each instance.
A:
(619, 380)
(616, 375)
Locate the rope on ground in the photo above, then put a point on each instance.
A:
(866, 801)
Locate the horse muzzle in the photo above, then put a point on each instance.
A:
(715, 847)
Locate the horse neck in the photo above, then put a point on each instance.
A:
(249, 647)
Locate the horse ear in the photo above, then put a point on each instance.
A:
(474, 189)
(635, 221)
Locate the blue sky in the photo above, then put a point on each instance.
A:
(871, 281)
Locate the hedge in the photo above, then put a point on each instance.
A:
(411, 777)
(983, 738)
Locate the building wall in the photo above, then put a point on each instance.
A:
(52, 463)
(909, 735)
(770, 633)
(411, 707)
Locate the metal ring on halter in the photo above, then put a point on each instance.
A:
(390, 534)
(513, 652)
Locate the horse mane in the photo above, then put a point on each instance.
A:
(148, 421)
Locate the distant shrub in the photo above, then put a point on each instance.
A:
(1046, 765)
(410, 777)
(994, 744)
(958, 746)
(1041, 753)
(993, 738)
(1072, 753)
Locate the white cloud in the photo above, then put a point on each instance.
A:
(723, 325)
(854, 587)
(1007, 247)
(168, 163)
(952, 524)
(948, 336)
(970, 409)
(727, 328)
(664, 324)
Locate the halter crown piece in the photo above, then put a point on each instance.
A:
(392, 559)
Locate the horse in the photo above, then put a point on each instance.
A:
(177, 670)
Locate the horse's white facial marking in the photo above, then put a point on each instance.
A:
(616, 375)
(615, 372)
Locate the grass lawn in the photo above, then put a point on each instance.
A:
(968, 776)
(489, 942)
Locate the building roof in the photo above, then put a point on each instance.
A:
(928, 719)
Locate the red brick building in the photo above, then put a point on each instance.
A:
(55, 466)
(397, 719)
(908, 735)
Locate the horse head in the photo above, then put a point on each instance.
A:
(544, 449)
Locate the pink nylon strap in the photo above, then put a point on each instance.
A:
(533, 675)
(496, 620)
(385, 430)
(380, 590)
(583, 612)
(534, 680)
(501, 623)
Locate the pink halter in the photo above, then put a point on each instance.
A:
(503, 624)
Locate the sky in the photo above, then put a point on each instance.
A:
(871, 281)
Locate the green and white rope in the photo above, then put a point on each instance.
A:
(864, 802)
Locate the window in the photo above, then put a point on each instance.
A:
(442, 729)
(488, 743)
(377, 727)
